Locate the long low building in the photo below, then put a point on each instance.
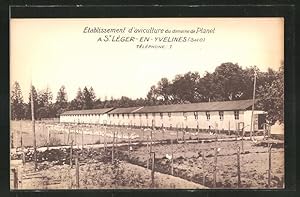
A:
(223, 115)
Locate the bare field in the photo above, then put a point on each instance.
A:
(194, 158)
(63, 134)
(188, 163)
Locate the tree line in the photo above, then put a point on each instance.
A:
(228, 82)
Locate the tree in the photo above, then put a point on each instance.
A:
(152, 96)
(61, 103)
(186, 88)
(88, 98)
(228, 83)
(17, 105)
(78, 102)
(35, 103)
(271, 95)
(44, 106)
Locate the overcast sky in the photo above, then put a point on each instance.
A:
(55, 52)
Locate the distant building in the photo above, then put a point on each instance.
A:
(223, 115)
(92, 116)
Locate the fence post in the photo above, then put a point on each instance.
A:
(242, 140)
(203, 170)
(68, 138)
(153, 169)
(215, 168)
(71, 154)
(176, 134)
(99, 132)
(151, 140)
(77, 172)
(104, 138)
(82, 138)
(163, 131)
(15, 172)
(172, 160)
(148, 152)
(270, 162)
(238, 167)
(113, 147)
(128, 144)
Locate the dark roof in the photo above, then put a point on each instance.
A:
(206, 106)
(88, 111)
(124, 110)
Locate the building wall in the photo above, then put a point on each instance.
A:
(176, 120)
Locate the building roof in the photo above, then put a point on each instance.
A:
(126, 110)
(206, 106)
(88, 111)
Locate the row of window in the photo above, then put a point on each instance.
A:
(221, 115)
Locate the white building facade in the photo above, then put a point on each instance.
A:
(227, 115)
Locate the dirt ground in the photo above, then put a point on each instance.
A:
(188, 162)
(99, 175)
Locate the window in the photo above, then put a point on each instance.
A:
(127, 115)
(185, 115)
(196, 115)
(109, 115)
(140, 115)
(113, 115)
(161, 115)
(221, 114)
(123, 116)
(169, 114)
(236, 115)
(133, 115)
(146, 116)
(118, 115)
(153, 114)
(207, 115)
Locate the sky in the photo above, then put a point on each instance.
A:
(56, 52)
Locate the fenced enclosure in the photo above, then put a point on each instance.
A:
(209, 158)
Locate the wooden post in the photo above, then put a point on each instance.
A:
(99, 132)
(104, 138)
(71, 154)
(238, 167)
(76, 131)
(215, 168)
(153, 169)
(77, 172)
(82, 139)
(176, 134)
(113, 147)
(63, 132)
(172, 160)
(270, 162)
(151, 141)
(203, 170)
(229, 128)
(183, 136)
(163, 131)
(15, 172)
(128, 143)
(242, 140)
(148, 152)
(33, 129)
(68, 138)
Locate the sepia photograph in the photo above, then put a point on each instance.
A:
(147, 103)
